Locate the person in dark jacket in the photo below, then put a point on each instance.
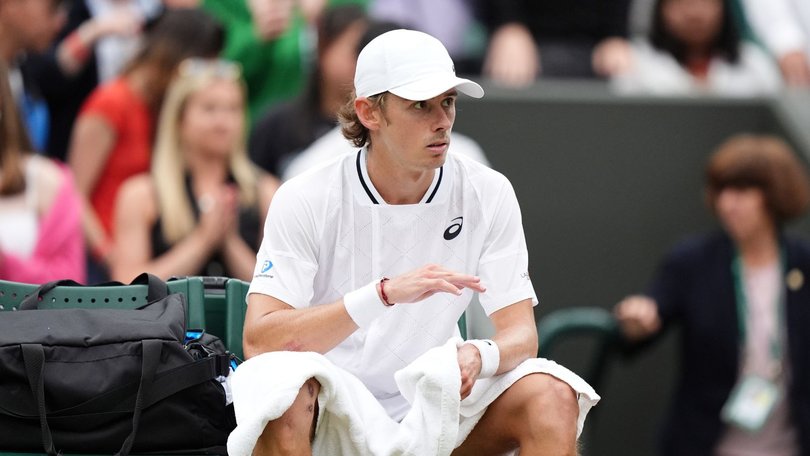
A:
(741, 297)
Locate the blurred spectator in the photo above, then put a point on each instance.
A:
(695, 47)
(267, 38)
(100, 37)
(200, 210)
(40, 209)
(181, 3)
(454, 22)
(29, 26)
(112, 138)
(741, 297)
(111, 33)
(550, 38)
(784, 28)
(292, 126)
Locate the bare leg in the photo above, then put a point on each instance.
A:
(538, 414)
(292, 433)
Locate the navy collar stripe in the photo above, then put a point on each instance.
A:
(436, 188)
(363, 181)
(371, 195)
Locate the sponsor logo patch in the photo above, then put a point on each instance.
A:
(454, 229)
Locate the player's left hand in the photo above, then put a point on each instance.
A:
(469, 363)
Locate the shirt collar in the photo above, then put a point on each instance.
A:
(371, 194)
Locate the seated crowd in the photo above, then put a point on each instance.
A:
(89, 79)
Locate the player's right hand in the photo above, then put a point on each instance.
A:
(469, 364)
(421, 283)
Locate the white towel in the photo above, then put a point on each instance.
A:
(352, 421)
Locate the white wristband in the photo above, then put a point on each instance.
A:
(364, 305)
(490, 356)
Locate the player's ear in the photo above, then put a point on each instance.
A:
(368, 112)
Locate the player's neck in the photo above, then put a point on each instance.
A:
(397, 184)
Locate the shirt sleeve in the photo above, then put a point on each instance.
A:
(504, 264)
(776, 23)
(107, 102)
(670, 283)
(287, 259)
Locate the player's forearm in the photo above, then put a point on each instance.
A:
(515, 346)
(318, 329)
(515, 334)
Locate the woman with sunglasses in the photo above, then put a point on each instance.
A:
(200, 209)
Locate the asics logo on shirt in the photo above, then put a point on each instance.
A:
(454, 229)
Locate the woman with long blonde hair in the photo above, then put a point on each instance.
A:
(199, 211)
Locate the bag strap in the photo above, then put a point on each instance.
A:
(155, 289)
(34, 359)
(151, 357)
(164, 385)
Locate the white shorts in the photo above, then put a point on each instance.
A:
(352, 422)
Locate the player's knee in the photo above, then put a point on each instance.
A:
(292, 432)
(281, 436)
(553, 409)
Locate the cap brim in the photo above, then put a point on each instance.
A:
(435, 85)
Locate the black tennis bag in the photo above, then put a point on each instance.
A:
(111, 380)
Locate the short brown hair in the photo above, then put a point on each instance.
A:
(766, 162)
(350, 124)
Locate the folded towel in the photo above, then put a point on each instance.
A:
(352, 421)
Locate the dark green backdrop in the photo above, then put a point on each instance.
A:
(606, 185)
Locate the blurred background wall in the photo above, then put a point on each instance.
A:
(607, 185)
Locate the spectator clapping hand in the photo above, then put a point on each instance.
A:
(795, 68)
(612, 56)
(271, 18)
(512, 58)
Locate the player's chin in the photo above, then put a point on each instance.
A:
(436, 162)
(437, 157)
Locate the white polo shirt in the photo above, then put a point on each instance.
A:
(329, 232)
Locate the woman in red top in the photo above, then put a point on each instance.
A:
(113, 134)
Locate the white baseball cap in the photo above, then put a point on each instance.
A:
(410, 64)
